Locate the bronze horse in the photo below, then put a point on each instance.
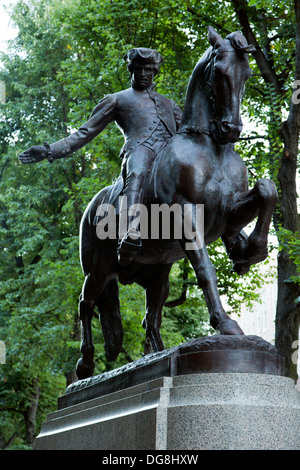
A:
(198, 166)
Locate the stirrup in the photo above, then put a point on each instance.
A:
(130, 244)
(127, 249)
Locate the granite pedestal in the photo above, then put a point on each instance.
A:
(180, 400)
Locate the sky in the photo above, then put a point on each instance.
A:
(6, 31)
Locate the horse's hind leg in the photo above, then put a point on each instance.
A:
(110, 317)
(245, 251)
(90, 292)
(85, 365)
(155, 281)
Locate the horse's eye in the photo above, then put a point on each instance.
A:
(219, 69)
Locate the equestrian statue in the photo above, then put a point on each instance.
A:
(185, 160)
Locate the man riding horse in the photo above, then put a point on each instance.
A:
(197, 164)
(147, 120)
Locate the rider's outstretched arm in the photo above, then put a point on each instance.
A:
(103, 114)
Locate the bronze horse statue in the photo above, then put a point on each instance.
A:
(199, 166)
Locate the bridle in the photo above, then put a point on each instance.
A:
(208, 81)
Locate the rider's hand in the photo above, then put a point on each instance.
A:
(34, 154)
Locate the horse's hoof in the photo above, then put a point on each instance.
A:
(83, 371)
(241, 268)
(229, 327)
(112, 352)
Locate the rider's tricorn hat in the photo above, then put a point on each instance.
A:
(144, 55)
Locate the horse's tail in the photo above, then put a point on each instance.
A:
(108, 302)
(110, 317)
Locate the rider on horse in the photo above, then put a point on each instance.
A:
(147, 120)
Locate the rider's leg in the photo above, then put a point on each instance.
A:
(129, 235)
(137, 166)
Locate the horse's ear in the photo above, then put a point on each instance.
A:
(213, 37)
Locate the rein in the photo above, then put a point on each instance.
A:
(209, 72)
(195, 130)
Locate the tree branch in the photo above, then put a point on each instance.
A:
(253, 137)
(208, 20)
(264, 65)
(3, 167)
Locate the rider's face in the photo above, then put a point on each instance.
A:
(143, 75)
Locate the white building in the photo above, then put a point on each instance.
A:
(260, 320)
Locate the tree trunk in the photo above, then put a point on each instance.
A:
(30, 413)
(288, 312)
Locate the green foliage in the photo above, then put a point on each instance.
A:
(185, 315)
(290, 242)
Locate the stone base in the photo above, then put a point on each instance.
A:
(219, 392)
(207, 411)
(218, 353)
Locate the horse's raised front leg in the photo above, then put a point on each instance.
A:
(206, 276)
(258, 202)
(155, 280)
(207, 281)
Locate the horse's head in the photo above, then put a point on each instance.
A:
(226, 74)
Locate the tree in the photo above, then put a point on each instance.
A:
(263, 25)
(273, 28)
(31, 325)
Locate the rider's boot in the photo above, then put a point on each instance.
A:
(130, 242)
